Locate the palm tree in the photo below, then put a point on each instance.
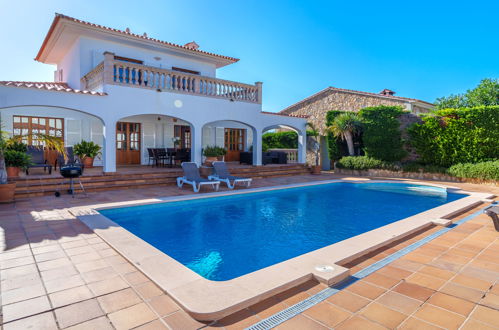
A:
(49, 141)
(345, 126)
(314, 133)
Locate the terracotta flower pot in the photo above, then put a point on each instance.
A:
(13, 172)
(7, 192)
(88, 162)
(209, 161)
(316, 169)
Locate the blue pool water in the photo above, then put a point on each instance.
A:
(225, 237)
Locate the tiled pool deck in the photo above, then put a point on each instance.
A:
(56, 273)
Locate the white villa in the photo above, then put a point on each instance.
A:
(129, 92)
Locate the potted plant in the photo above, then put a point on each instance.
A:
(313, 134)
(87, 151)
(212, 153)
(176, 142)
(15, 161)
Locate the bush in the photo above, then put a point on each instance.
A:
(86, 149)
(336, 146)
(452, 136)
(214, 151)
(14, 158)
(426, 168)
(360, 163)
(484, 170)
(280, 140)
(15, 145)
(381, 134)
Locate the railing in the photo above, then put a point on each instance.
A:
(122, 73)
(291, 154)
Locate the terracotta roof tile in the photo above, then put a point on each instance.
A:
(49, 86)
(284, 114)
(187, 46)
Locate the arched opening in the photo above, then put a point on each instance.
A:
(137, 135)
(282, 144)
(71, 125)
(235, 136)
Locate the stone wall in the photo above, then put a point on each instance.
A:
(406, 120)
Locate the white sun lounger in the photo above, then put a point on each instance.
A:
(192, 177)
(222, 174)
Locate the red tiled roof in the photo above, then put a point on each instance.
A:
(144, 37)
(284, 114)
(356, 92)
(49, 86)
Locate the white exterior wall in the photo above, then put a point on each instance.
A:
(91, 54)
(70, 66)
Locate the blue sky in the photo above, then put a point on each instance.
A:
(421, 49)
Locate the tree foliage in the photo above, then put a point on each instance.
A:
(280, 140)
(486, 93)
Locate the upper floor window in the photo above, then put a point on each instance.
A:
(127, 59)
(27, 127)
(184, 70)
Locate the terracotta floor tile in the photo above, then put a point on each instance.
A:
(437, 272)
(238, 320)
(118, 300)
(399, 302)
(301, 322)
(132, 317)
(107, 286)
(451, 303)
(472, 324)
(414, 291)
(440, 317)
(70, 296)
(163, 305)
(426, 281)
(394, 272)
(20, 281)
(358, 323)
(366, 290)
(60, 272)
(407, 265)
(99, 274)
(381, 280)
(291, 297)
(472, 282)
(43, 321)
(154, 325)
(267, 307)
(22, 293)
(490, 300)
(18, 271)
(415, 324)
(462, 292)
(63, 283)
(78, 313)
(327, 314)
(181, 320)
(383, 315)
(348, 301)
(25, 308)
(486, 315)
(418, 257)
(148, 290)
(135, 278)
(100, 323)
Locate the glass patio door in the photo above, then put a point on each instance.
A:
(127, 143)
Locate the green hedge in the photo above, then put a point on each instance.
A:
(381, 135)
(361, 163)
(281, 140)
(452, 136)
(484, 170)
(336, 146)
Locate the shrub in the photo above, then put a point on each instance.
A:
(360, 163)
(451, 136)
(12, 144)
(86, 149)
(14, 158)
(337, 148)
(214, 151)
(381, 134)
(418, 167)
(280, 140)
(484, 170)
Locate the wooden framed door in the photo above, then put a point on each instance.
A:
(234, 143)
(128, 143)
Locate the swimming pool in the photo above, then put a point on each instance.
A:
(222, 238)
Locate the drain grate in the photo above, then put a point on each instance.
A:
(290, 312)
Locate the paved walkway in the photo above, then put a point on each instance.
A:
(56, 273)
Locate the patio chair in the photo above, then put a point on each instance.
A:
(37, 159)
(222, 174)
(160, 156)
(493, 212)
(192, 177)
(150, 154)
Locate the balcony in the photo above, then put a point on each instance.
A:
(121, 73)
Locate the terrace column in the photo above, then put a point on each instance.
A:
(257, 147)
(302, 146)
(197, 144)
(109, 152)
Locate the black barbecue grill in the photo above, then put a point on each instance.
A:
(71, 172)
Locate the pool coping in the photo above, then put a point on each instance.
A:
(208, 300)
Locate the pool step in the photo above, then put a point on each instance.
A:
(39, 186)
